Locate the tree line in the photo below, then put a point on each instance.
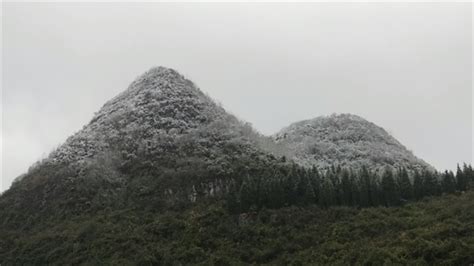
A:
(295, 185)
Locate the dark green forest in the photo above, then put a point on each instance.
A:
(432, 231)
(294, 185)
(288, 215)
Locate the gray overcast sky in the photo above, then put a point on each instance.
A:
(406, 67)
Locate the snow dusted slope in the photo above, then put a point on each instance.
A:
(163, 142)
(159, 144)
(160, 131)
(160, 103)
(346, 140)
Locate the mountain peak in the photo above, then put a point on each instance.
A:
(158, 103)
(162, 70)
(346, 116)
(160, 79)
(161, 73)
(346, 140)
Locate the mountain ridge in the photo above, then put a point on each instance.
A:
(161, 104)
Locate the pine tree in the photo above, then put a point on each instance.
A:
(315, 180)
(346, 185)
(279, 196)
(304, 191)
(290, 186)
(355, 188)
(365, 188)
(245, 196)
(430, 183)
(468, 175)
(232, 199)
(461, 182)
(389, 189)
(418, 190)
(448, 182)
(404, 185)
(336, 184)
(327, 193)
(309, 196)
(265, 188)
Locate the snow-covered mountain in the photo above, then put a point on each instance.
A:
(346, 140)
(161, 115)
(163, 141)
(158, 106)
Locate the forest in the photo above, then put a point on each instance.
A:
(431, 230)
(339, 186)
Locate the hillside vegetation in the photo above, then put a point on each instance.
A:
(437, 230)
(250, 227)
(162, 175)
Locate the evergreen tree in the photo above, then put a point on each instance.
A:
(430, 183)
(355, 188)
(346, 185)
(388, 188)
(327, 193)
(315, 180)
(461, 182)
(290, 186)
(336, 184)
(404, 185)
(470, 173)
(468, 176)
(378, 197)
(365, 188)
(265, 188)
(304, 190)
(309, 196)
(245, 196)
(418, 190)
(278, 195)
(232, 199)
(448, 182)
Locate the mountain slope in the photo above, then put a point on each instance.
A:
(437, 231)
(159, 105)
(346, 140)
(159, 143)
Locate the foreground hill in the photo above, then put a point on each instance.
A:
(346, 140)
(434, 231)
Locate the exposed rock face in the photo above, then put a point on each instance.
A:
(346, 140)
